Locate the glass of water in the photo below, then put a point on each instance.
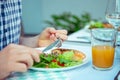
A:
(112, 15)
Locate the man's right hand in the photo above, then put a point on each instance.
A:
(17, 58)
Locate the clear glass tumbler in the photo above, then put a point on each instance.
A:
(103, 48)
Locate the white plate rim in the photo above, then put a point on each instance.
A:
(85, 60)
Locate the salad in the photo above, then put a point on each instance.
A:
(59, 60)
(100, 25)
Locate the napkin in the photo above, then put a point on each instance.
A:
(80, 36)
(38, 75)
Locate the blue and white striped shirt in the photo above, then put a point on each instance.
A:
(10, 19)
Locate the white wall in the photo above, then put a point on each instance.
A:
(32, 16)
(35, 12)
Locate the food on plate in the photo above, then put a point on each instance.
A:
(100, 25)
(77, 54)
(60, 57)
(107, 25)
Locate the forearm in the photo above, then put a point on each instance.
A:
(29, 41)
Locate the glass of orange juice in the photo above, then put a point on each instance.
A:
(103, 48)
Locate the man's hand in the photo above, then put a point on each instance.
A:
(49, 35)
(17, 58)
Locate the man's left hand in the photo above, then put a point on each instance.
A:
(49, 35)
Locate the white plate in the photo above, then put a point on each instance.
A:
(85, 60)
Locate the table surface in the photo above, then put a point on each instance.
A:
(86, 72)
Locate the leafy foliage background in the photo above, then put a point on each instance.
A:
(69, 21)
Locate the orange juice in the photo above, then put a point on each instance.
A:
(103, 56)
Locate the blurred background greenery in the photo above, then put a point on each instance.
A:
(69, 21)
(72, 15)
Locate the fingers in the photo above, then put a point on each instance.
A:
(53, 37)
(18, 67)
(62, 32)
(35, 55)
(17, 58)
(25, 59)
(24, 54)
(49, 35)
(51, 30)
(57, 33)
(62, 36)
(33, 52)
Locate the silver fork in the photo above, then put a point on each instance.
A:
(56, 44)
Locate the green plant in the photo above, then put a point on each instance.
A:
(69, 21)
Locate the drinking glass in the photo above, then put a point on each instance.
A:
(112, 15)
(102, 40)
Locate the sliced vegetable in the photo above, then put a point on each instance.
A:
(65, 59)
